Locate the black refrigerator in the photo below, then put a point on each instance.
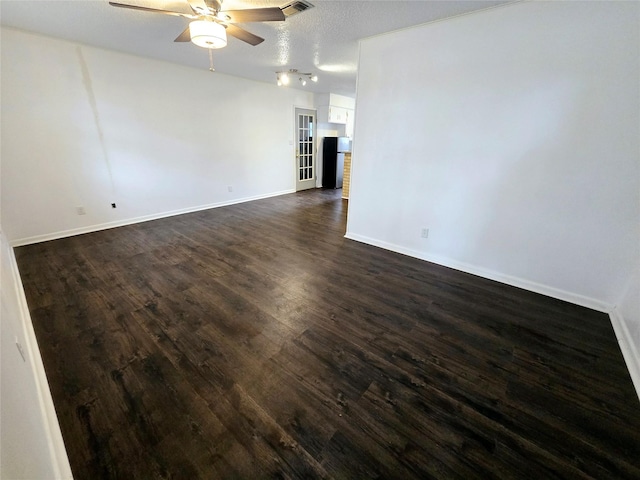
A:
(333, 150)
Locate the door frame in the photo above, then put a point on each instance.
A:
(309, 183)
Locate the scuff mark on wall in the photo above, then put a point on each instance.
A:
(86, 82)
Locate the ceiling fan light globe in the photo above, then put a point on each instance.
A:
(208, 34)
(314, 78)
(284, 78)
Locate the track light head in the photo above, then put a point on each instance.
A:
(284, 78)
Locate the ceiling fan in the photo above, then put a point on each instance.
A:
(211, 24)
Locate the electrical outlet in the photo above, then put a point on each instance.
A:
(80, 211)
(230, 188)
(424, 233)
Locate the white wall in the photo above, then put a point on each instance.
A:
(513, 137)
(31, 445)
(87, 127)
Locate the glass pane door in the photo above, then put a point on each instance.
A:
(305, 149)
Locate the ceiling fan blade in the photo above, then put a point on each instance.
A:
(242, 34)
(271, 14)
(184, 36)
(154, 10)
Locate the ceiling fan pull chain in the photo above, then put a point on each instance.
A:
(211, 69)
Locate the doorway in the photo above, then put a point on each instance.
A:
(305, 149)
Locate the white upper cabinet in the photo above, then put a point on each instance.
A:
(337, 115)
(334, 108)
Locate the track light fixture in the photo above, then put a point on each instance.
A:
(284, 78)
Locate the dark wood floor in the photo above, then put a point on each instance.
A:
(254, 341)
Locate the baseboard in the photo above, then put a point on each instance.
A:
(627, 346)
(130, 221)
(58, 452)
(490, 274)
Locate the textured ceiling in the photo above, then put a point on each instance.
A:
(322, 40)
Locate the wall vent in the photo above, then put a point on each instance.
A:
(296, 6)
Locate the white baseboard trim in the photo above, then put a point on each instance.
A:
(490, 274)
(58, 452)
(130, 221)
(627, 346)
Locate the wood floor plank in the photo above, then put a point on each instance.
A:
(255, 341)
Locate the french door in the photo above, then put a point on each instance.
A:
(305, 149)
